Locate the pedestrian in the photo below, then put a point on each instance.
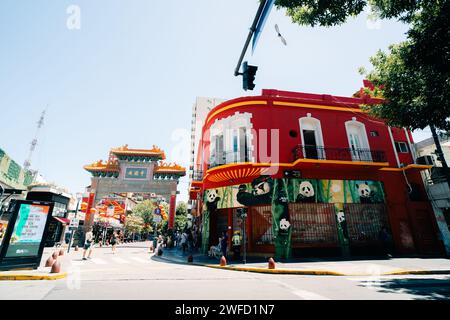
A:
(214, 250)
(184, 239)
(190, 241)
(236, 241)
(114, 239)
(386, 241)
(88, 239)
(224, 244)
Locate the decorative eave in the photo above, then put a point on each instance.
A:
(124, 153)
(170, 169)
(110, 169)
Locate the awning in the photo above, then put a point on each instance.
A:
(62, 220)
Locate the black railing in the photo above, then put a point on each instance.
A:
(197, 175)
(227, 159)
(342, 154)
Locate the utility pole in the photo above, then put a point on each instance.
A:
(40, 123)
(249, 37)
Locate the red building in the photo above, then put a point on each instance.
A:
(315, 173)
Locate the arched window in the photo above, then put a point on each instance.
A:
(358, 141)
(312, 138)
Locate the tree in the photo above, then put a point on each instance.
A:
(145, 211)
(414, 77)
(181, 208)
(134, 224)
(331, 13)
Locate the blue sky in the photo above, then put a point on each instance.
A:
(130, 75)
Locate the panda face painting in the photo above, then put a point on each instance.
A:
(306, 189)
(306, 192)
(364, 192)
(261, 188)
(260, 192)
(212, 198)
(212, 195)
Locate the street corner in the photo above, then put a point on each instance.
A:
(30, 275)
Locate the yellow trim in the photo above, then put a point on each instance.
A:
(315, 106)
(235, 105)
(26, 277)
(411, 166)
(290, 165)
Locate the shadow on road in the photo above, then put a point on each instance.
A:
(422, 289)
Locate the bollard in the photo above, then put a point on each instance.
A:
(223, 261)
(271, 263)
(190, 258)
(56, 267)
(61, 252)
(49, 262)
(55, 255)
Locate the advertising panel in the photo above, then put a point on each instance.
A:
(28, 230)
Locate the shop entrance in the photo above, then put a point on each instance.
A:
(364, 223)
(314, 229)
(260, 229)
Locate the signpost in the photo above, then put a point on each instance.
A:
(25, 235)
(74, 222)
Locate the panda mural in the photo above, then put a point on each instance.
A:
(261, 192)
(364, 192)
(306, 193)
(212, 198)
(343, 223)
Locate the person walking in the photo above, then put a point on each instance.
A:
(224, 243)
(184, 239)
(88, 241)
(236, 242)
(114, 239)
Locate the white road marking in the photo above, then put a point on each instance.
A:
(305, 295)
(77, 263)
(140, 260)
(308, 295)
(119, 260)
(98, 261)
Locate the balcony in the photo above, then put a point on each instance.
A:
(229, 158)
(338, 154)
(197, 175)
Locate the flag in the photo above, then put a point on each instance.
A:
(261, 22)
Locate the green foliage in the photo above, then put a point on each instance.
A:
(331, 13)
(145, 211)
(414, 76)
(134, 224)
(181, 209)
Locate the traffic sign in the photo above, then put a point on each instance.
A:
(74, 224)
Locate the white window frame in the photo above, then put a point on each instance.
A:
(308, 122)
(349, 125)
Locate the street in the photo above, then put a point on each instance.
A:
(132, 274)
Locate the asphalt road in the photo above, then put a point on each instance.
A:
(132, 274)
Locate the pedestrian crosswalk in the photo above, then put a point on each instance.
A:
(111, 261)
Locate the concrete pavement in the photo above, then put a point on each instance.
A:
(392, 266)
(133, 273)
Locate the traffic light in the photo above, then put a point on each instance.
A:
(248, 75)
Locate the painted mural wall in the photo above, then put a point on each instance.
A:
(279, 193)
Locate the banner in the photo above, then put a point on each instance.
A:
(172, 211)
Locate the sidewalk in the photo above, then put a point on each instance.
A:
(337, 267)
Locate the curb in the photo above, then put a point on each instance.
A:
(279, 271)
(25, 277)
(398, 272)
(328, 273)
